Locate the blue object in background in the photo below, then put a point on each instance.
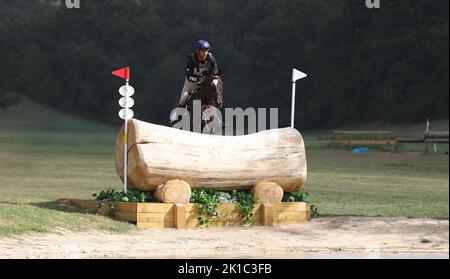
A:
(361, 150)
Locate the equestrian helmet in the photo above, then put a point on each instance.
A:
(202, 44)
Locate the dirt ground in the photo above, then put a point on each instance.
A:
(368, 237)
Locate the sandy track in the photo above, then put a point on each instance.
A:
(368, 235)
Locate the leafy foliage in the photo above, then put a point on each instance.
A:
(208, 201)
(111, 195)
(296, 196)
(245, 203)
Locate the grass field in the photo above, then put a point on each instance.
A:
(46, 155)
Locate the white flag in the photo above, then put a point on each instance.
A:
(296, 75)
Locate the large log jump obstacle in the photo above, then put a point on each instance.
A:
(171, 162)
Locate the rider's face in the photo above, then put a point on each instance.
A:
(202, 54)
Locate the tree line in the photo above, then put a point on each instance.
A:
(387, 65)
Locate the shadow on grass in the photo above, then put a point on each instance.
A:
(62, 207)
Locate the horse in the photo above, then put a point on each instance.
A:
(210, 96)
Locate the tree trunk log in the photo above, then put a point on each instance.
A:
(157, 154)
(267, 192)
(173, 191)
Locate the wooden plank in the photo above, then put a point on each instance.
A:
(145, 207)
(156, 215)
(308, 212)
(104, 210)
(155, 207)
(290, 206)
(180, 216)
(436, 135)
(219, 223)
(191, 217)
(229, 215)
(436, 140)
(222, 208)
(287, 218)
(299, 218)
(368, 142)
(226, 209)
(236, 215)
(409, 140)
(127, 206)
(155, 225)
(234, 218)
(267, 218)
(362, 132)
(308, 215)
(144, 217)
(190, 207)
(257, 209)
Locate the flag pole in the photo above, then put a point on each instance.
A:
(293, 104)
(125, 142)
(296, 75)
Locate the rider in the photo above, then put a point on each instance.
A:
(198, 65)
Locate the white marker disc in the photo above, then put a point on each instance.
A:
(126, 92)
(129, 102)
(130, 114)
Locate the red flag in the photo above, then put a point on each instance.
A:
(123, 73)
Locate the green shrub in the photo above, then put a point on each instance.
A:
(112, 195)
(296, 197)
(208, 201)
(244, 202)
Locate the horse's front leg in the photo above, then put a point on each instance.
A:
(212, 121)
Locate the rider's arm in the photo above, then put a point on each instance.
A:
(190, 70)
(214, 66)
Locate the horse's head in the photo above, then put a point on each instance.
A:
(212, 89)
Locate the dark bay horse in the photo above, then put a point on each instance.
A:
(210, 96)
